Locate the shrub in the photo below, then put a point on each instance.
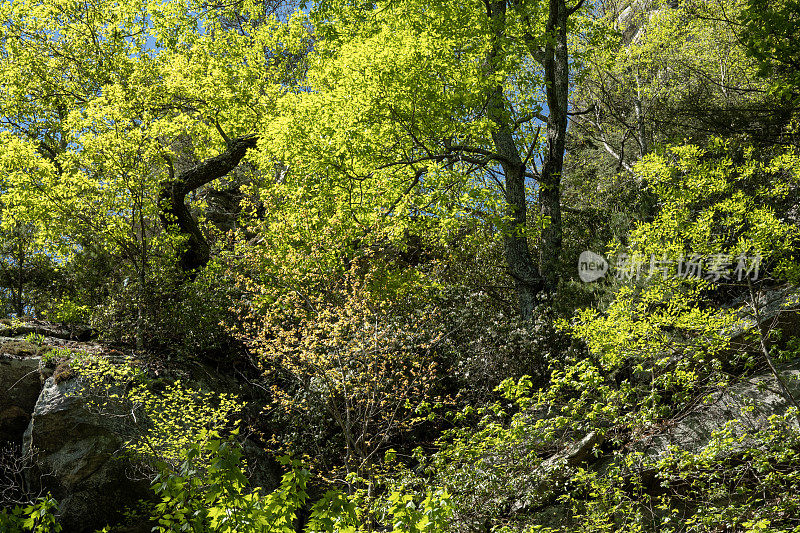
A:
(215, 498)
(38, 517)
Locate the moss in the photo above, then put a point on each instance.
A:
(22, 348)
(63, 372)
(52, 357)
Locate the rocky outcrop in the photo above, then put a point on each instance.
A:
(79, 458)
(48, 329)
(62, 444)
(79, 450)
(21, 377)
(746, 406)
(778, 310)
(632, 18)
(557, 468)
(19, 389)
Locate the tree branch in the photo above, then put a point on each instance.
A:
(575, 8)
(175, 212)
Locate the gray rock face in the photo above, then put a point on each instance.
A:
(748, 405)
(82, 333)
(20, 383)
(556, 469)
(78, 456)
(77, 451)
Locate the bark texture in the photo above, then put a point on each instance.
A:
(521, 265)
(556, 69)
(530, 278)
(175, 212)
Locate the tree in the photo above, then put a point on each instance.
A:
(224, 77)
(91, 115)
(770, 35)
(23, 269)
(417, 110)
(173, 196)
(677, 71)
(636, 390)
(364, 368)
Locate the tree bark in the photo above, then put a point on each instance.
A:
(175, 212)
(19, 302)
(527, 278)
(556, 69)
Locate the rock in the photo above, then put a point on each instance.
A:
(20, 383)
(78, 452)
(48, 329)
(748, 405)
(13, 421)
(778, 311)
(555, 470)
(20, 348)
(632, 18)
(574, 454)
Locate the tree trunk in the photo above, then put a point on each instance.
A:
(142, 279)
(527, 279)
(556, 69)
(19, 302)
(175, 212)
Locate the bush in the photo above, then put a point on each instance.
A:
(38, 517)
(178, 315)
(161, 418)
(215, 498)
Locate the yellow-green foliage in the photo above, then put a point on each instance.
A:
(647, 346)
(216, 498)
(38, 517)
(734, 483)
(359, 362)
(655, 352)
(164, 421)
(718, 199)
(66, 310)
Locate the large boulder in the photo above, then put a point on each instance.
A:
(556, 469)
(47, 329)
(79, 458)
(20, 383)
(747, 405)
(79, 448)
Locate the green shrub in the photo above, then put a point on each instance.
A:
(38, 517)
(162, 418)
(216, 498)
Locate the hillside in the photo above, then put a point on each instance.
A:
(409, 266)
